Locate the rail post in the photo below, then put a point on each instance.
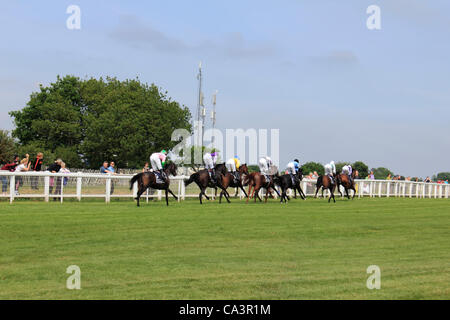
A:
(12, 188)
(46, 188)
(79, 182)
(108, 190)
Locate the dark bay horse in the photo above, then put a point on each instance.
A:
(256, 180)
(229, 180)
(325, 182)
(203, 181)
(343, 180)
(148, 180)
(285, 182)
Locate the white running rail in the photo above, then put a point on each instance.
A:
(106, 182)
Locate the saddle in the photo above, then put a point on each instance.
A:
(159, 177)
(236, 177)
(293, 179)
(331, 178)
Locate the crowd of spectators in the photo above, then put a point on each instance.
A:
(23, 165)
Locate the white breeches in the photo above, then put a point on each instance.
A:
(155, 161)
(291, 168)
(209, 163)
(231, 165)
(263, 166)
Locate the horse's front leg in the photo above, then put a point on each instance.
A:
(173, 194)
(243, 190)
(167, 197)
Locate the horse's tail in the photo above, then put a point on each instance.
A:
(134, 179)
(319, 182)
(191, 179)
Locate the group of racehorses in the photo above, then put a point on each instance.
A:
(223, 179)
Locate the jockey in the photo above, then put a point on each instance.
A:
(264, 165)
(293, 168)
(330, 170)
(210, 161)
(158, 160)
(348, 170)
(233, 165)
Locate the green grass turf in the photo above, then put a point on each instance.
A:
(302, 250)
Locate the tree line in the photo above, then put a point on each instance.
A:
(87, 121)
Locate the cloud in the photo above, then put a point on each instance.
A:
(344, 57)
(418, 11)
(131, 31)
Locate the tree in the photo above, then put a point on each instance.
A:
(443, 176)
(381, 173)
(362, 168)
(88, 121)
(7, 147)
(252, 168)
(313, 166)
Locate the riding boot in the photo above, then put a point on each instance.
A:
(292, 178)
(236, 176)
(331, 178)
(212, 175)
(162, 174)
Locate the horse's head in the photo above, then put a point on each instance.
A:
(221, 168)
(300, 173)
(171, 167)
(243, 169)
(276, 178)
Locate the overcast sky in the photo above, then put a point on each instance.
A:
(336, 90)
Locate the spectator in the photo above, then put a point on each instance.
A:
(7, 167)
(60, 180)
(356, 174)
(112, 169)
(22, 167)
(146, 167)
(389, 177)
(371, 176)
(54, 168)
(36, 165)
(104, 168)
(428, 180)
(108, 170)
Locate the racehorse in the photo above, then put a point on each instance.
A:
(343, 180)
(285, 182)
(229, 180)
(326, 183)
(148, 180)
(256, 180)
(203, 180)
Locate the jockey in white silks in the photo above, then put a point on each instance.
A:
(330, 170)
(292, 168)
(158, 160)
(264, 165)
(233, 165)
(348, 170)
(210, 161)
